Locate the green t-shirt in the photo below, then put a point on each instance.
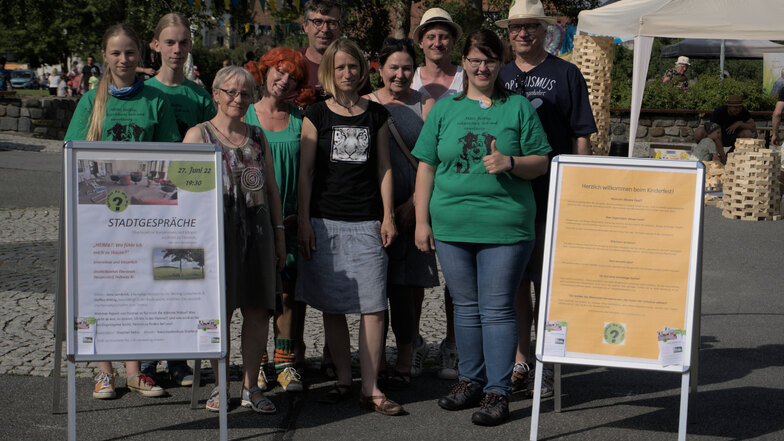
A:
(284, 146)
(145, 116)
(191, 104)
(468, 203)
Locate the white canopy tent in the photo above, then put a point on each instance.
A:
(646, 19)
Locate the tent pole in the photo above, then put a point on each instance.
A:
(721, 62)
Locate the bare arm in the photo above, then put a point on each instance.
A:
(427, 104)
(774, 139)
(385, 180)
(307, 157)
(423, 236)
(582, 145)
(193, 136)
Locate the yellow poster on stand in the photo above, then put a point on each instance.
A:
(621, 252)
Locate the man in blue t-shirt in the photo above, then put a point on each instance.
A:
(557, 90)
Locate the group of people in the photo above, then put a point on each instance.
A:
(361, 191)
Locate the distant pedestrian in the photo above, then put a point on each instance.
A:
(677, 75)
(54, 82)
(87, 72)
(4, 75)
(62, 86)
(778, 85)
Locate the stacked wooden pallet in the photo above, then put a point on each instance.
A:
(751, 182)
(594, 57)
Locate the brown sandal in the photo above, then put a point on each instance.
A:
(387, 406)
(338, 393)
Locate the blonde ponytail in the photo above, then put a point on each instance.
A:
(95, 132)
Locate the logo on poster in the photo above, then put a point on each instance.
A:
(614, 333)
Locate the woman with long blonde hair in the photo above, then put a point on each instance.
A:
(122, 109)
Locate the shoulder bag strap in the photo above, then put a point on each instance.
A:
(396, 134)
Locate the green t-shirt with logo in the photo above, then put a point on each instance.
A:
(143, 117)
(468, 203)
(191, 104)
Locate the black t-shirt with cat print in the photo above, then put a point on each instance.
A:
(345, 180)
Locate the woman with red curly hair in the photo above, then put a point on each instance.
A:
(282, 77)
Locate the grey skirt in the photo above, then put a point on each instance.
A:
(348, 271)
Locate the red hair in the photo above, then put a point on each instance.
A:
(288, 60)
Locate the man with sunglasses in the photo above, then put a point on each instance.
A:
(558, 92)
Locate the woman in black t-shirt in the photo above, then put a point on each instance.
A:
(346, 218)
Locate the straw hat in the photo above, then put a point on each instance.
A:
(734, 100)
(522, 9)
(437, 15)
(683, 60)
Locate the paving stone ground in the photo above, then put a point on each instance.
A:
(28, 261)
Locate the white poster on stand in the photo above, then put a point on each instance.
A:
(145, 253)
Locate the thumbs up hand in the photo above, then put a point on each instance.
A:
(496, 162)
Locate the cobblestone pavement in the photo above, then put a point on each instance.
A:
(28, 260)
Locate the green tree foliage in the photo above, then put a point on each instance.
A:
(367, 24)
(47, 31)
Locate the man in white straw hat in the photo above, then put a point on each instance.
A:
(557, 90)
(678, 74)
(437, 35)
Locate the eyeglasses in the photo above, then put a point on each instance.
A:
(233, 94)
(530, 28)
(475, 63)
(318, 23)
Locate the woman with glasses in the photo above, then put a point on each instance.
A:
(410, 270)
(254, 244)
(282, 77)
(478, 152)
(346, 219)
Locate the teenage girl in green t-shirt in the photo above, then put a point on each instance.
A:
(120, 108)
(478, 152)
(282, 77)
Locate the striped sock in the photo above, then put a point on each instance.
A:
(284, 354)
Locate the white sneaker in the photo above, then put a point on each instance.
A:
(418, 356)
(448, 370)
(547, 382)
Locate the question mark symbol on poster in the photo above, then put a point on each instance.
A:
(117, 200)
(614, 333)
